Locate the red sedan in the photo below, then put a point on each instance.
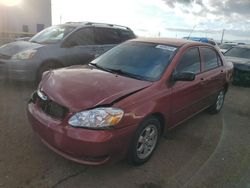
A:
(121, 103)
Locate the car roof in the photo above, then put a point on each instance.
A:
(96, 24)
(169, 41)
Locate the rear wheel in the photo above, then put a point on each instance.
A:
(145, 141)
(218, 104)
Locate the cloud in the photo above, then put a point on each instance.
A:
(212, 16)
(223, 8)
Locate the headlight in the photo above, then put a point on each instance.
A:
(27, 54)
(97, 118)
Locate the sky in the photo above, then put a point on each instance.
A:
(165, 18)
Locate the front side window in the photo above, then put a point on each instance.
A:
(52, 34)
(190, 62)
(144, 61)
(106, 36)
(211, 59)
(81, 37)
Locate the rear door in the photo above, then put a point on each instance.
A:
(213, 73)
(187, 96)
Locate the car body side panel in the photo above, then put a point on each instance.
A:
(186, 99)
(156, 100)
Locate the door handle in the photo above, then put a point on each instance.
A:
(203, 81)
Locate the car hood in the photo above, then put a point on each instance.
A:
(13, 48)
(82, 87)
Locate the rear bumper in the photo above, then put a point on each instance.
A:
(85, 146)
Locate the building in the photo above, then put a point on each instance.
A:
(19, 18)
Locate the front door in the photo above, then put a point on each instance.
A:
(82, 47)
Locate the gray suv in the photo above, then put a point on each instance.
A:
(73, 43)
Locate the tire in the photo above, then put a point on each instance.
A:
(44, 68)
(218, 104)
(145, 141)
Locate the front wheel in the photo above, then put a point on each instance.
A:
(218, 104)
(145, 141)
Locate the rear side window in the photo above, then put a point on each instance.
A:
(125, 34)
(190, 62)
(211, 59)
(81, 37)
(107, 36)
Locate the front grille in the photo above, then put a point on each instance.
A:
(50, 107)
(2, 56)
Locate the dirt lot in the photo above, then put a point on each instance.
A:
(207, 151)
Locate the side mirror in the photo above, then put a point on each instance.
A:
(184, 76)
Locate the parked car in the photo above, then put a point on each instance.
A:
(123, 101)
(240, 57)
(59, 46)
(226, 46)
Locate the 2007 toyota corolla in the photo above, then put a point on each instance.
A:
(120, 104)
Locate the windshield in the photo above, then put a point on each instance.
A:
(239, 52)
(52, 34)
(226, 46)
(146, 61)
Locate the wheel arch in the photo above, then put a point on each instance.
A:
(161, 119)
(51, 61)
(56, 63)
(226, 85)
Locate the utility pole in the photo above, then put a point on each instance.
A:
(222, 37)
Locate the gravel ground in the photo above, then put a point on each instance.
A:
(207, 151)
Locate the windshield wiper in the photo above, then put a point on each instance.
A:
(124, 73)
(118, 71)
(100, 67)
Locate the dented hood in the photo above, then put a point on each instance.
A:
(84, 87)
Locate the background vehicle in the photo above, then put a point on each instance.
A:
(203, 39)
(59, 46)
(226, 46)
(240, 57)
(142, 88)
